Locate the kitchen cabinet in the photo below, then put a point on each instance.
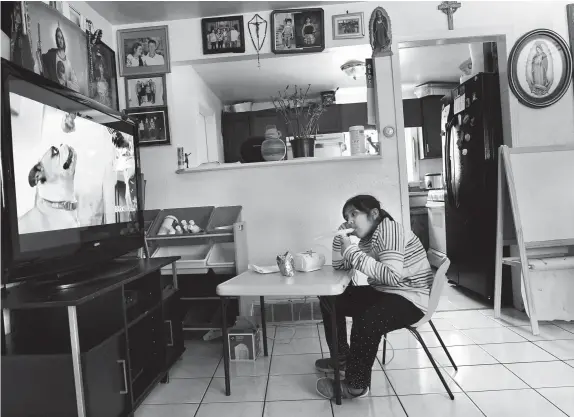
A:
(330, 121)
(412, 113)
(259, 120)
(420, 225)
(235, 129)
(353, 114)
(431, 145)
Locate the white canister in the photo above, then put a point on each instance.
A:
(357, 138)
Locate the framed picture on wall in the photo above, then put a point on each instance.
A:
(540, 68)
(570, 17)
(297, 30)
(103, 79)
(223, 34)
(77, 18)
(145, 91)
(144, 51)
(46, 42)
(348, 26)
(152, 125)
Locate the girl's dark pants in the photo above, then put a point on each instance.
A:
(374, 314)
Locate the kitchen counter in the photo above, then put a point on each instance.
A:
(418, 193)
(296, 161)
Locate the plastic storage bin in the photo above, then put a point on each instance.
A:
(149, 217)
(200, 215)
(193, 258)
(223, 219)
(222, 257)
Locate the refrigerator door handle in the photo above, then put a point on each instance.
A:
(448, 173)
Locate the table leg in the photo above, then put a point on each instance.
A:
(77, 361)
(225, 345)
(335, 343)
(264, 325)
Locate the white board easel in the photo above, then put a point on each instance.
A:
(539, 181)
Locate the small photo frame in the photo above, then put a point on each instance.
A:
(348, 26)
(77, 18)
(223, 35)
(152, 124)
(145, 91)
(144, 51)
(103, 82)
(57, 5)
(540, 68)
(297, 31)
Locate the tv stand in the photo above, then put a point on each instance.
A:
(113, 269)
(93, 350)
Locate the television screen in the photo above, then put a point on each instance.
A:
(69, 172)
(71, 178)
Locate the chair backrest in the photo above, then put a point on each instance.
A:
(435, 292)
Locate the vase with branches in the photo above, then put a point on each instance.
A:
(301, 115)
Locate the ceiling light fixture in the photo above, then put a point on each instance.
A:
(354, 68)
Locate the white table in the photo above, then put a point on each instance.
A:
(327, 283)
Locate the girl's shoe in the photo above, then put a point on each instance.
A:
(326, 366)
(326, 389)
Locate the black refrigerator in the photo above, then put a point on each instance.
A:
(472, 134)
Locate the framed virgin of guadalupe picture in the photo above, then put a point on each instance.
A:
(540, 68)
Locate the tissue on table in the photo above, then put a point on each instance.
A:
(309, 261)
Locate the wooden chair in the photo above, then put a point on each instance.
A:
(435, 293)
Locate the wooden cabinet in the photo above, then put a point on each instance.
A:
(431, 107)
(235, 129)
(353, 114)
(259, 120)
(412, 113)
(173, 314)
(420, 225)
(330, 121)
(122, 352)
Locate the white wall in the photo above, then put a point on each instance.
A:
(278, 219)
(285, 207)
(186, 94)
(98, 21)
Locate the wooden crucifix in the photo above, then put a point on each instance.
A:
(448, 8)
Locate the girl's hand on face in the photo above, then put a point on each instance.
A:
(345, 243)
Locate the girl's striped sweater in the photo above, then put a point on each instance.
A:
(393, 260)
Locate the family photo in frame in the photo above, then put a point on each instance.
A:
(144, 51)
(348, 26)
(152, 125)
(297, 31)
(145, 91)
(223, 35)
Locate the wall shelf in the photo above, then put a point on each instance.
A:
(297, 161)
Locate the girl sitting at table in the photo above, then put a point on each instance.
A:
(399, 279)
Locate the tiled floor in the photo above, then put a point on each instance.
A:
(503, 371)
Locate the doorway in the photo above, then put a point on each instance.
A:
(435, 73)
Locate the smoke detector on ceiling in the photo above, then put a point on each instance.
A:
(354, 68)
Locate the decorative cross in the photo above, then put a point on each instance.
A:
(448, 8)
